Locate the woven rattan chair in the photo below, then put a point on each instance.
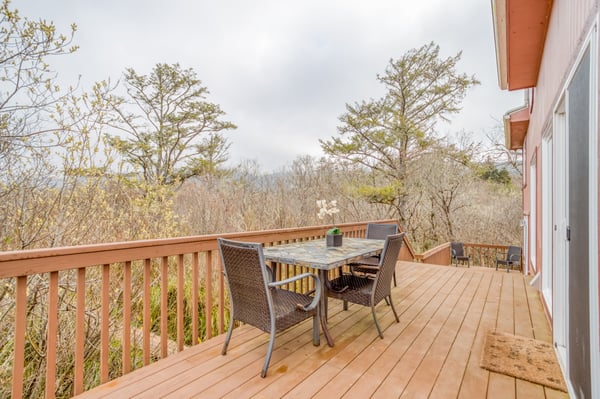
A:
(513, 257)
(457, 252)
(369, 265)
(257, 301)
(369, 291)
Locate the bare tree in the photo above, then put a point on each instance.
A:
(28, 90)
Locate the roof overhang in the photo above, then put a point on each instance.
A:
(520, 28)
(516, 123)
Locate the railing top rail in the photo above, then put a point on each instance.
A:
(34, 261)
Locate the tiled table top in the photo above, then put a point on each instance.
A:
(317, 255)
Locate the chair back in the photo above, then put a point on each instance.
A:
(514, 254)
(247, 276)
(387, 265)
(379, 231)
(457, 249)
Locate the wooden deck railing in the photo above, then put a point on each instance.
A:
(481, 254)
(87, 309)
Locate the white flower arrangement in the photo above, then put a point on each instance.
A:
(328, 209)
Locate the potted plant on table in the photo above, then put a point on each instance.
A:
(333, 237)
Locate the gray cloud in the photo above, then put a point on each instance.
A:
(282, 70)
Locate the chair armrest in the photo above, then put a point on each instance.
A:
(453, 253)
(316, 298)
(514, 258)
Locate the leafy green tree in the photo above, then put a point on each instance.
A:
(491, 172)
(166, 127)
(385, 135)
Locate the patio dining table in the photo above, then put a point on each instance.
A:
(317, 255)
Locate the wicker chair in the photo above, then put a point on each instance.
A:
(513, 257)
(370, 264)
(257, 301)
(368, 291)
(457, 252)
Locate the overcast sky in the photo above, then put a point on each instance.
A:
(281, 70)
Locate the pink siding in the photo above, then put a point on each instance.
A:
(569, 26)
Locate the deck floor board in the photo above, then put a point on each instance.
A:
(433, 352)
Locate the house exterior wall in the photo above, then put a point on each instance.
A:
(569, 27)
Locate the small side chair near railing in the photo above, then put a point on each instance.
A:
(457, 251)
(512, 258)
(255, 299)
(481, 255)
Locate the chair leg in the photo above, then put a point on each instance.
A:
(345, 305)
(507, 266)
(227, 337)
(376, 323)
(395, 285)
(263, 374)
(389, 297)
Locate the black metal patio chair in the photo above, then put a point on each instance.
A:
(457, 253)
(371, 291)
(512, 258)
(257, 301)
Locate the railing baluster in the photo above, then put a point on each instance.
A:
(195, 277)
(164, 286)
(146, 311)
(180, 303)
(79, 331)
(221, 317)
(208, 278)
(19, 339)
(51, 336)
(126, 318)
(105, 322)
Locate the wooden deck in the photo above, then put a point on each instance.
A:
(433, 352)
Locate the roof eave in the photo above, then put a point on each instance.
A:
(516, 123)
(520, 28)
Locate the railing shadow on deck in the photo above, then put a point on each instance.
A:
(81, 316)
